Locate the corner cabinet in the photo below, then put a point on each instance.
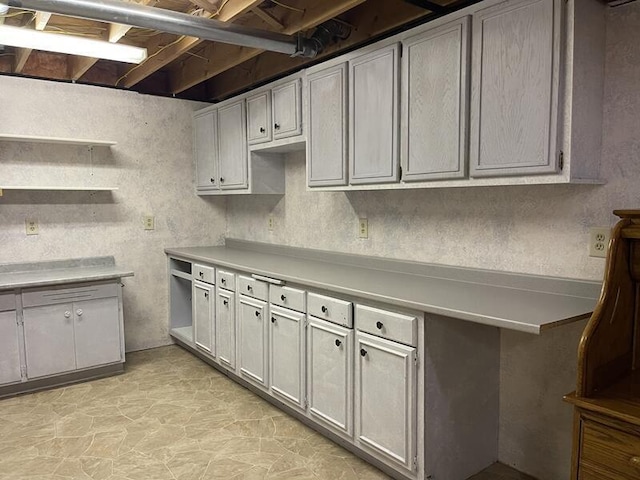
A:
(373, 116)
(516, 75)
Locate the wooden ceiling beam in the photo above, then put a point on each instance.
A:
(22, 54)
(207, 5)
(268, 18)
(217, 58)
(368, 20)
(78, 66)
(230, 11)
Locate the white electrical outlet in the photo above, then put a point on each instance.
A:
(149, 222)
(32, 226)
(599, 241)
(271, 223)
(363, 228)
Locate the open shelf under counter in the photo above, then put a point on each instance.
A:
(57, 140)
(183, 333)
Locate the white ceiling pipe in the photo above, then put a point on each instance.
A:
(3, 11)
(116, 11)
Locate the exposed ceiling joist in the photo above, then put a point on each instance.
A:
(229, 12)
(268, 18)
(217, 58)
(207, 5)
(367, 20)
(40, 20)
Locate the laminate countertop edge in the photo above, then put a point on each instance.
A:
(44, 278)
(499, 306)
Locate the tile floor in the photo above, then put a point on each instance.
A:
(170, 416)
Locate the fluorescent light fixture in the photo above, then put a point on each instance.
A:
(69, 44)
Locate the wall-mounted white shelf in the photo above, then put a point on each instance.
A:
(57, 140)
(56, 188)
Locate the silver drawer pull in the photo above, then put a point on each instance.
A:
(67, 314)
(79, 312)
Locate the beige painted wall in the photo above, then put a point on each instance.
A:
(533, 229)
(152, 166)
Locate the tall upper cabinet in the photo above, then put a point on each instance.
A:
(515, 88)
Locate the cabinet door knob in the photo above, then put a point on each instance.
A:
(206, 294)
(283, 298)
(213, 180)
(324, 309)
(338, 343)
(262, 130)
(223, 280)
(249, 287)
(257, 313)
(79, 312)
(221, 179)
(67, 314)
(363, 352)
(379, 325)
(201, 274)
(225, 302)
(273, 319)
(276, 126)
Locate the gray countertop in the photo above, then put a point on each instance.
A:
(39, 274)
(527, 303)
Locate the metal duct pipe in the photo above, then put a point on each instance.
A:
(3, 11)
(171, 22)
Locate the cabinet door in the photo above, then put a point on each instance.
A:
(259, 118)
(204, 316)
(205, 150)
(385, 398)
(287, 355)
(434, 112)
(9, 351)
(252, 320)
(287, 120)
(49, 344)
(226, 328)
(232, 149)
(97, 332)
(327, 133)
(373, 117)
(330, 374)
(515, 88)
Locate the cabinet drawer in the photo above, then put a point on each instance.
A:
(253, 288)
(331, 309)
(226, 280)
(7, 301)
(393, 326)
(204, 273)
(610, 449)
(54, 295)
(288, 297)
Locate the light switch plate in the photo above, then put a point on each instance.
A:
(32, 227)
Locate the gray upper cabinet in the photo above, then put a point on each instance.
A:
(259, 118)
(206, 150)
(373, 116)
(434, 103)
(287, 110)
(327, 133)
(515, 88)
(232, 146)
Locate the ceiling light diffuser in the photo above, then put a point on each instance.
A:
(70, 44)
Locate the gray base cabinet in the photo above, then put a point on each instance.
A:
(204, 316)
(226, 328)
(385, 410)
(287, 355)
(9, 346)
(97, 332)
(330, 375)
(253, 343)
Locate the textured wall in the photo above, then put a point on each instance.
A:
(151, 166)
(534, 229)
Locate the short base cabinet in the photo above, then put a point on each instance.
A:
(97, 340)
(287, 355)
(10, 358)
(385, 398)
(329, 375)
(253, 344)
(226, 328)
(204, 316)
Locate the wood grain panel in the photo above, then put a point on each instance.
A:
(611, 449)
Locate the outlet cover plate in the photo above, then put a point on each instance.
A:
(32, 227)
(363, 228)
(599, 241)
(149, 222)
